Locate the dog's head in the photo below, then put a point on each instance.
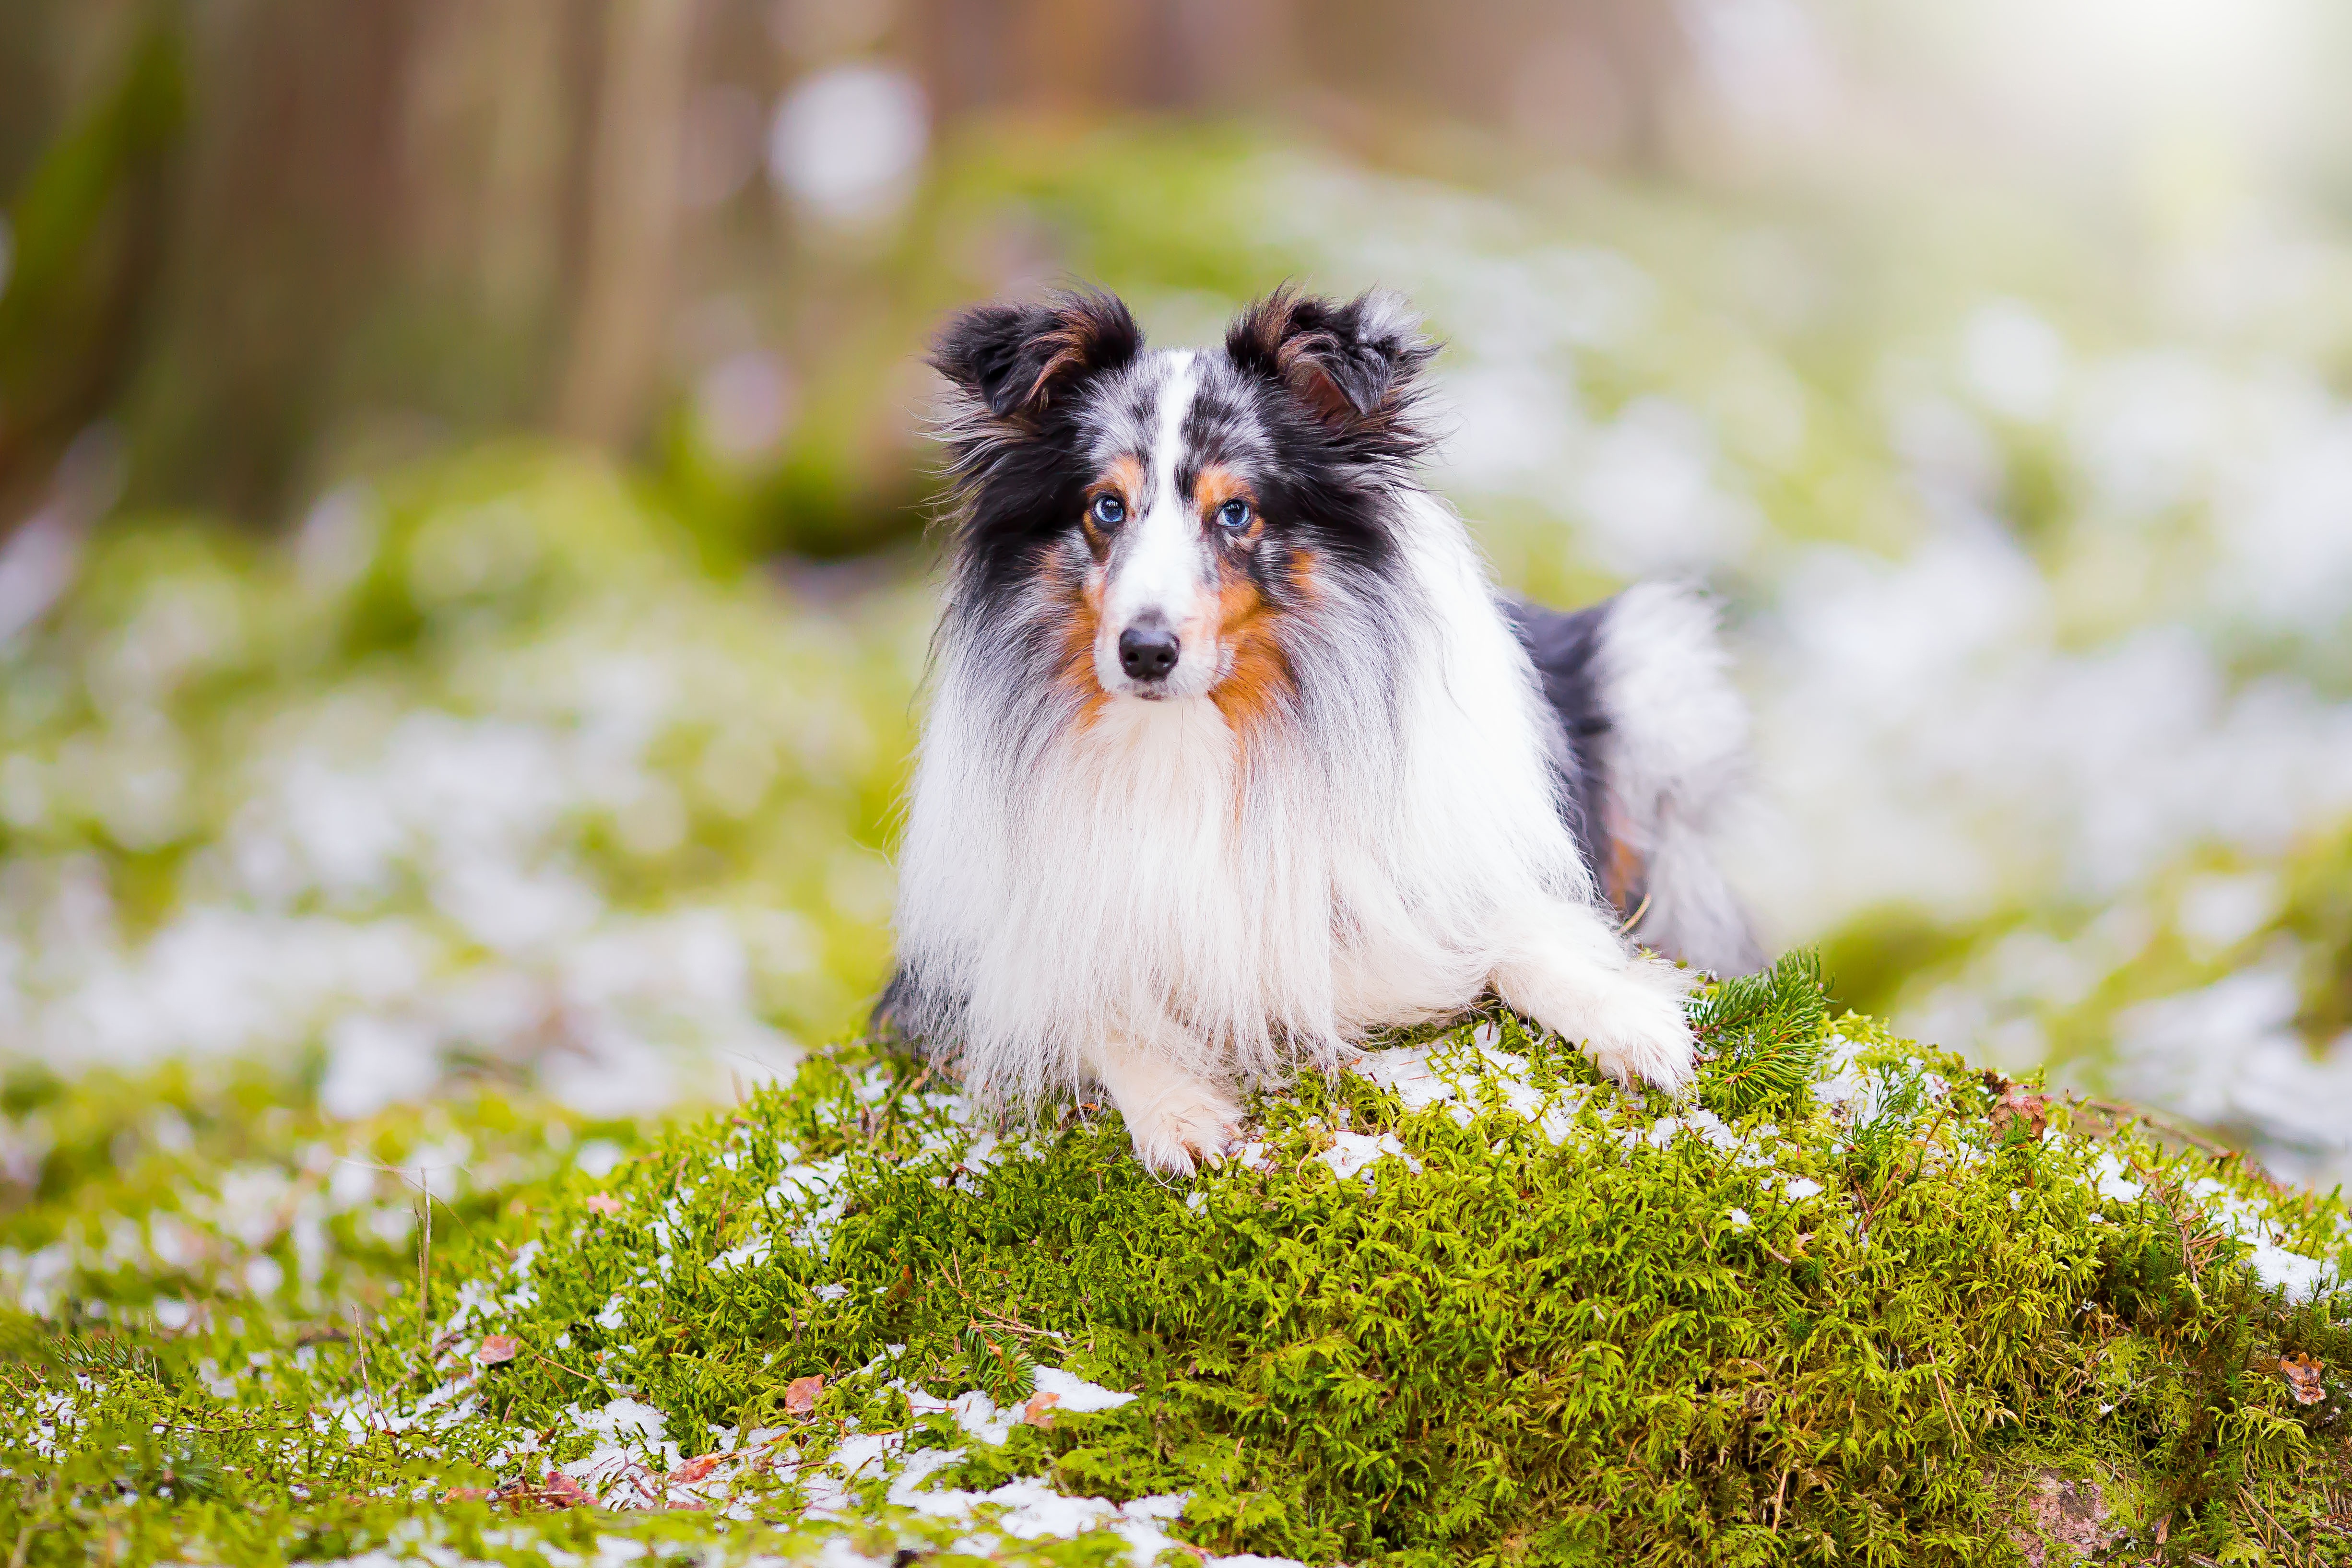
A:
(1161, 513)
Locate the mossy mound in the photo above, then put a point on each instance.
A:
(1467, 1303)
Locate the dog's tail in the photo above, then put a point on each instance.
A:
(1658, 744)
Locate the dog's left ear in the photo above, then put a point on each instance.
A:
(1356, 366)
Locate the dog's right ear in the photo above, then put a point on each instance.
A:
(1015, 360)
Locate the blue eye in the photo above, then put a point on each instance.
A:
(1107, 511)
(1234, 515)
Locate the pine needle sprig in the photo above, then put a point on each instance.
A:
(1764, 1035)
(1002, 1368)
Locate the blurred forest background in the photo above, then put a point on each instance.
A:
(462, 476)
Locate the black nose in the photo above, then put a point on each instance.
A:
(1147, 652)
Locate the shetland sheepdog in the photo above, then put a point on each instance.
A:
(1233, 754)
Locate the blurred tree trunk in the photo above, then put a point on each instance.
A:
(1104, 56)
(83, 245)
(1593, 79)
(291, 201)
(632, 214)
(393, 223)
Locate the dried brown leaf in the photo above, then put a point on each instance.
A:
(1039, 1411)
(2021, 1107)
(800, 1394)
(695, 1470)
(498, 1349)
(600, 1202)
(2302, 1374)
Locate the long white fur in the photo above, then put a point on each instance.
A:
(1147, 903)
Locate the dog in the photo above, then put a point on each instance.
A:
(1235, 755)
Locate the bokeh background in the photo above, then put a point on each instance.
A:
(463, 590)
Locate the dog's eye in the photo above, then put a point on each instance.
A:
(1234, 515)
(1107, 511)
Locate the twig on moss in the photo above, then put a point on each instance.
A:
(2194, 1249)
(1946, 1395)
(559, 1366)
(424, 1248)
(1017, 1326)
(366, 1382)
(2118, 1112)
(218, 1431)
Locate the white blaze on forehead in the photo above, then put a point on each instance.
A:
(1161, 563)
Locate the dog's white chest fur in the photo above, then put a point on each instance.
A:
(1135, 886)
(1223, 906)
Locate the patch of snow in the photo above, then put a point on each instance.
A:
(2108, 1179)
(1352, 1152)
(2300, 1277)
(1076, 1393)
(1407, 1072)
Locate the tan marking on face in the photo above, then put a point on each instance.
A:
(1123, 478)
(1217, 484)
(1081, 626)
(1257, 672)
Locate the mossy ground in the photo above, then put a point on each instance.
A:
(1466, 1305)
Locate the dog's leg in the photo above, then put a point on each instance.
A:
(1172, 1116)
(1571, 973)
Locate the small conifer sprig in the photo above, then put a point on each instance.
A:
(1763, 1033)
(1002, 1368)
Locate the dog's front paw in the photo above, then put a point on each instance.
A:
(1182, 1126)
(1635, 1031)
(1175, 1117)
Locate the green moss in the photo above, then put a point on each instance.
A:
(1469, 1305)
